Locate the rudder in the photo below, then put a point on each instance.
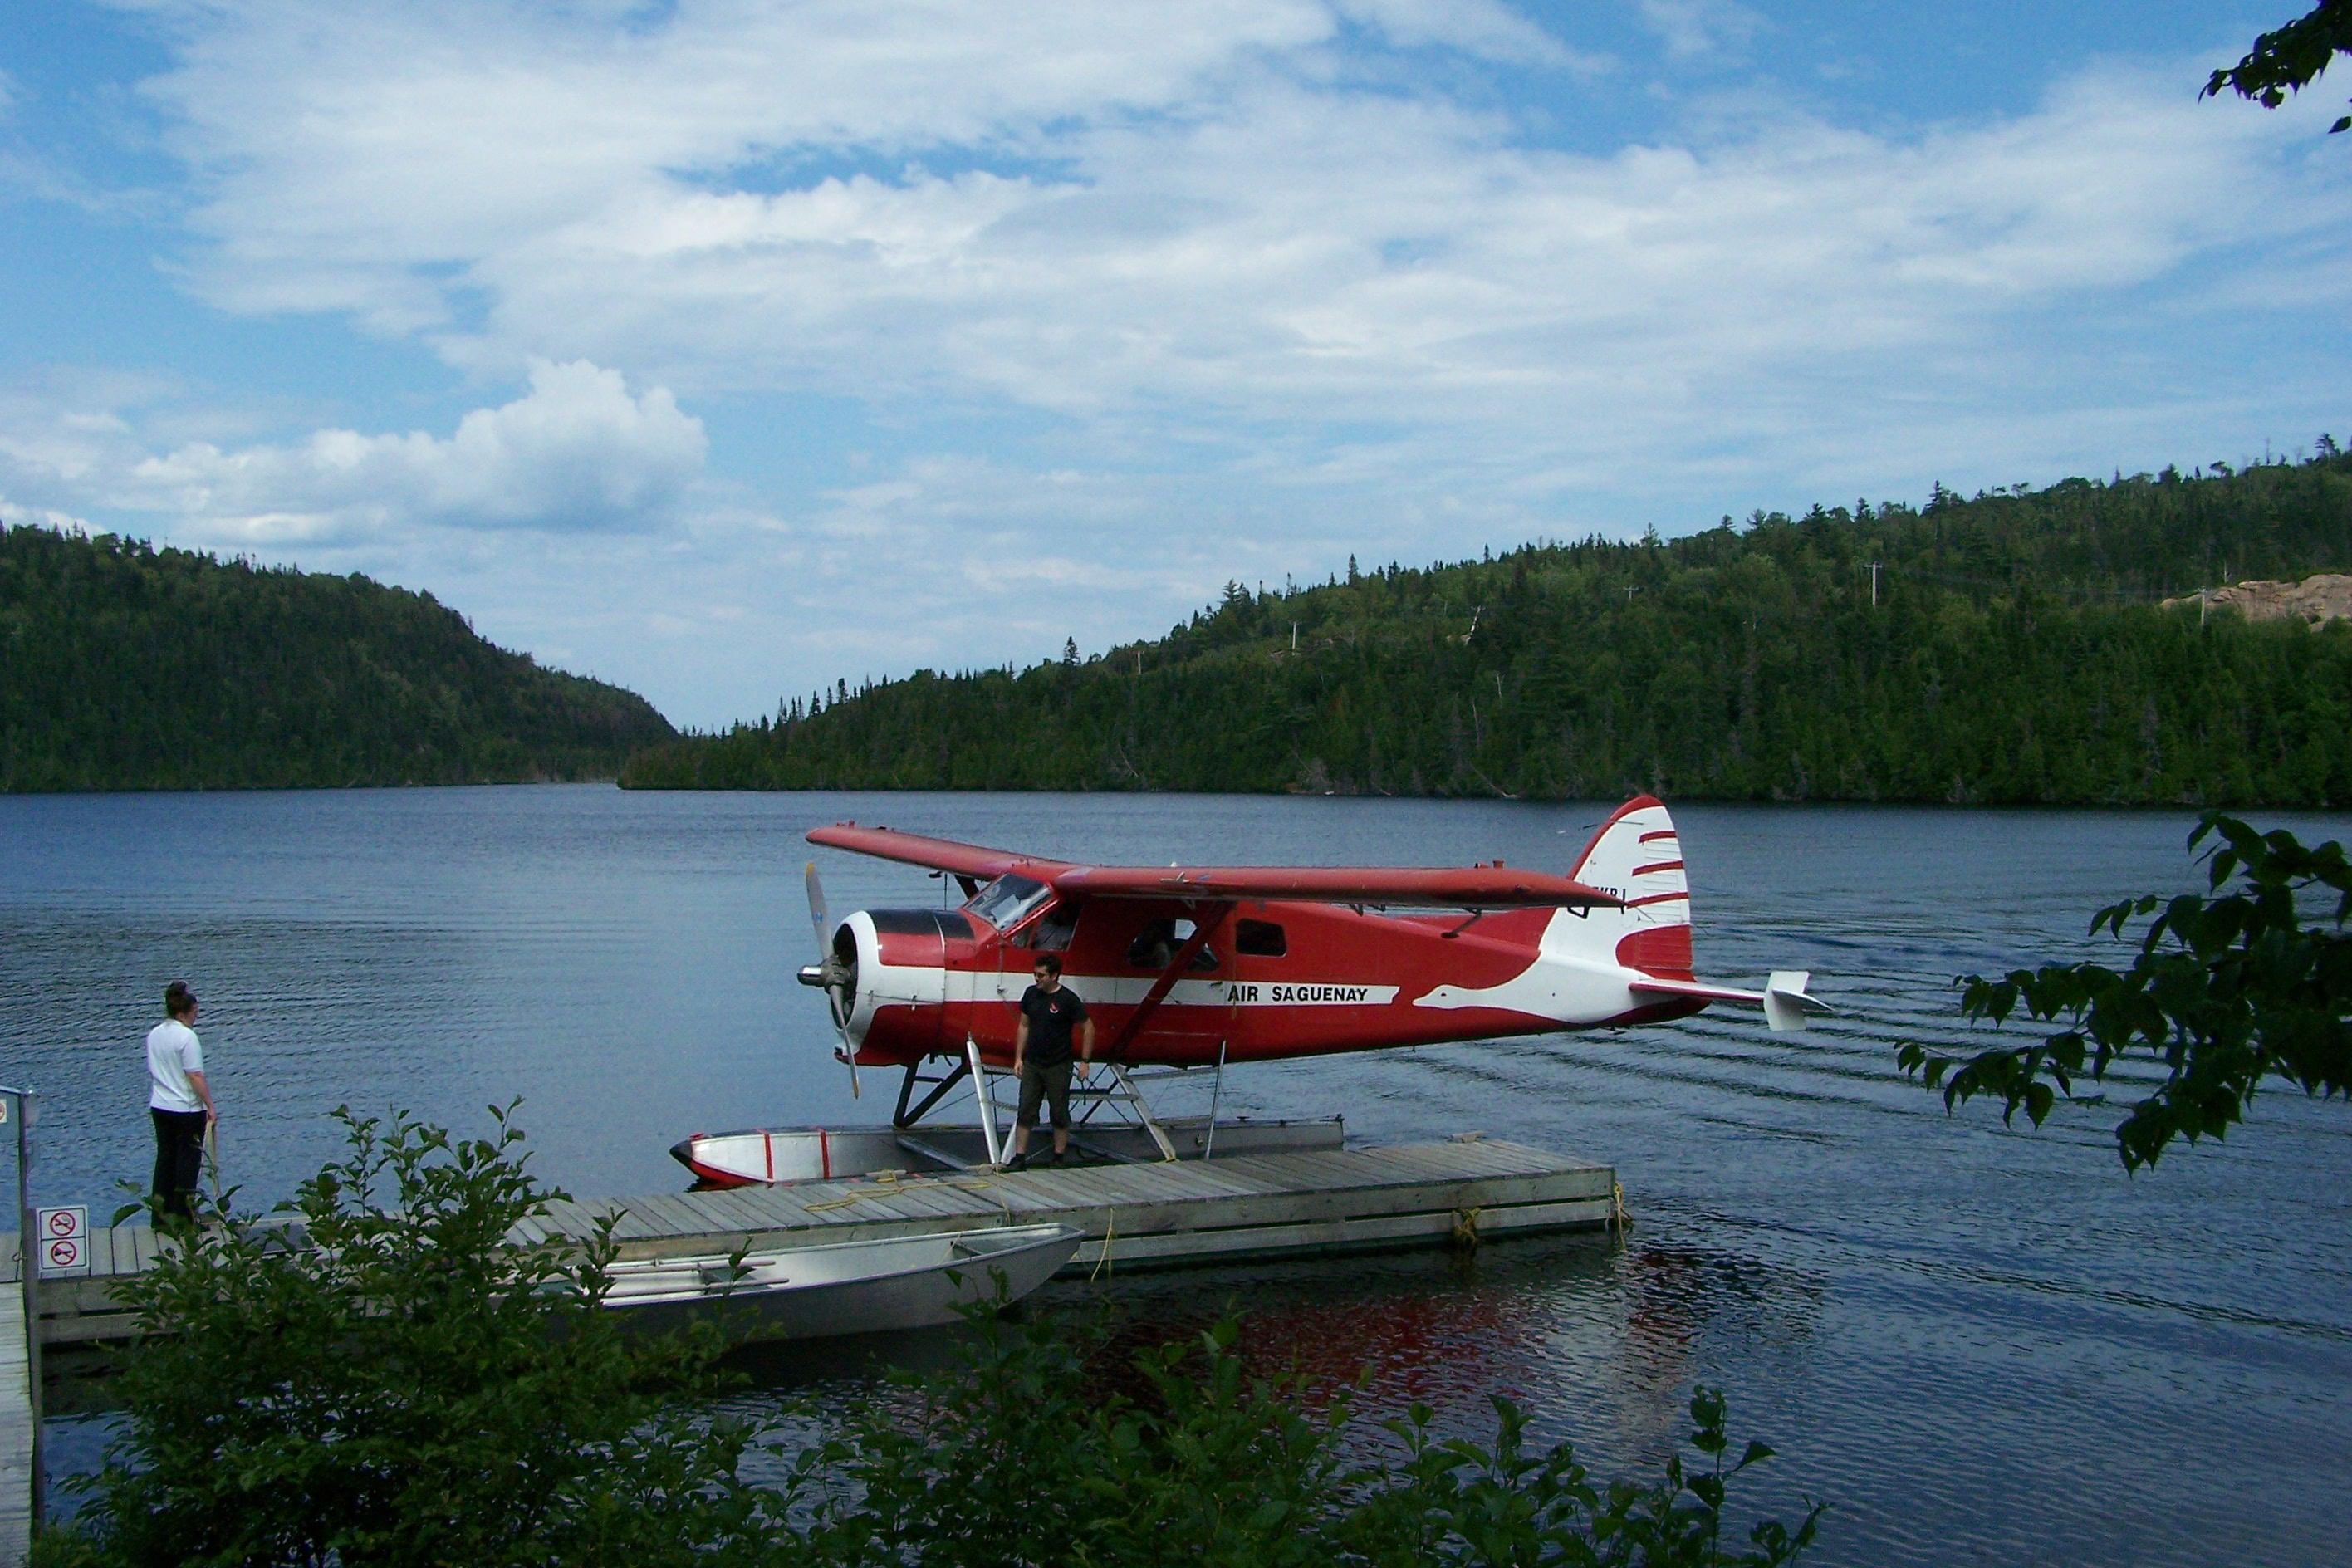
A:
(1638, 856)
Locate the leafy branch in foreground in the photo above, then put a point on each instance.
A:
(2289, 58)
(378, 1372)
(2227, 990)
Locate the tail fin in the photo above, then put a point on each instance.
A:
(1637, 856)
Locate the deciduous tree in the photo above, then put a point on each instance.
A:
(2229, 990)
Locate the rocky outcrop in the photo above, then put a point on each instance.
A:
(2316, 600)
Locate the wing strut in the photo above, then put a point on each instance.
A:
(1202, 930)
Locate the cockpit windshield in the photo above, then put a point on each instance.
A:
(1003, 902)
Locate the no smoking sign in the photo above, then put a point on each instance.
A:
(64, 1241)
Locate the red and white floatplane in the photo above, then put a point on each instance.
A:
(1193, 969)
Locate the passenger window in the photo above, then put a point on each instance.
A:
(1260, 939)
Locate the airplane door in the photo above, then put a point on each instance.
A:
(1120, 950)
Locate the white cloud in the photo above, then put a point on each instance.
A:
(577, 452)
(444, 131)
(1479, 28)
(1692, 29)
(1106, 212)
(17, 514)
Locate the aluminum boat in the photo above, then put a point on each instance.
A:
(847, 1287)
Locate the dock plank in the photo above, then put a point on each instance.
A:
(931, 1198)
(656, 1215)
(739, 1210)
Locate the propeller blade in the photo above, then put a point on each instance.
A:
(816, 914)
(829, 971)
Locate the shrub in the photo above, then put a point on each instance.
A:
(378, 1372)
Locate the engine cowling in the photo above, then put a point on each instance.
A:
(889, 980)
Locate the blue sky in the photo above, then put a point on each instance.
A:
(721, 348)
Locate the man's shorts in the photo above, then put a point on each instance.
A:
(1051, 1084)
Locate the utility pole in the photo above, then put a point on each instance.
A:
(1873, 584)
(1294, 636)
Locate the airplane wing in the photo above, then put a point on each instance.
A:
(1493, 887)
(937, 853)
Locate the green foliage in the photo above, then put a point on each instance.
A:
(376, 1373)
(2227, 991)
(381, 1374)
(2290, 58)
(1019, 1457)
(2013, 654)
(124, 667)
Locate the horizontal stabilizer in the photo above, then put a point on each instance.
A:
(1786, 1003)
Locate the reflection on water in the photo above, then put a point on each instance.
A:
(1928, 1317)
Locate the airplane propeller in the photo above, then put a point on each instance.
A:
(829, 973)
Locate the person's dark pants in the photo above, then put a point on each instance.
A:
(179, 1161)
(1050, 1084)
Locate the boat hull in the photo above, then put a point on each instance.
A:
(825, 1289)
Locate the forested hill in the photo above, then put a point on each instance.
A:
(2014, 654)
(124, 667)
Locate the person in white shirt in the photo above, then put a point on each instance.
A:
(181, 1103)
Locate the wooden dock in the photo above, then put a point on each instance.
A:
(16, 1415)
(1147, 1215)
(1151, 1215)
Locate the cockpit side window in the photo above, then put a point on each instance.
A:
(1051, 932)
(1004, 901)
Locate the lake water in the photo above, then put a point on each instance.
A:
(1983, 1346)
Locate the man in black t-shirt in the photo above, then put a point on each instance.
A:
(1041, 1056)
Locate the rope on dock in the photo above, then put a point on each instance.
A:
(984, 1186)
(1617, 1205)
(1466, 1230)
(1110, 1234)
(879, 1178)
(834, 1203)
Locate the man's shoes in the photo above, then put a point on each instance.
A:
(1018, 1163)
(1058, 1157)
